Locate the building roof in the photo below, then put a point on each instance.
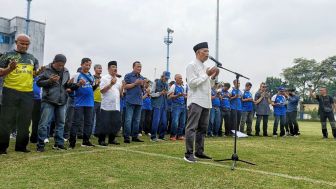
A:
(19, 17)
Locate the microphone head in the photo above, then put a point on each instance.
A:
(210, 57)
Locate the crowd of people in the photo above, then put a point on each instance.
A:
(71, 107)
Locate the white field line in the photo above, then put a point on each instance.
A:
(129, 149)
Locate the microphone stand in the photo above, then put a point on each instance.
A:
(234, 156)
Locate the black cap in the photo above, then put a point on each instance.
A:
(200, 46)
(112, 63)
(60, 58)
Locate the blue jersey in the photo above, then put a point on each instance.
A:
(216, 100)
(247, 106)
(280, 108)
(146, 103)
(178, 90)
(84, 94)
(225, 102)
(36, 90)
(236, 103)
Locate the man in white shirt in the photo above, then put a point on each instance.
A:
(198, 102)
(111, 89)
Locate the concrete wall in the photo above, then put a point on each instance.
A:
(16, 26)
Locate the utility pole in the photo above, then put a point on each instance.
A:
(28, 16)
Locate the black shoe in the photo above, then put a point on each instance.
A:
(257, 134)
(136, 140)
(3, 152)
(59, 147)
(22, 150)
(127, 141)
(202, 156)
(72, 145)
(114, 142)
(40, 149)
(249, 134)
(104, 144)
(87, 144)
(190, 158)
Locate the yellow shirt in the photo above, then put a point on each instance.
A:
(20, 79)
(97, 95)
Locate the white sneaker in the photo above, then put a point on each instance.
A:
(46, 141)
(65, 140)
(139, 135)
(12, 136)
(154, 140)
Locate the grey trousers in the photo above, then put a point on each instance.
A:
(198, 120)
(246, 117)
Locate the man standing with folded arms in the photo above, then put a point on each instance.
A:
(198, 102)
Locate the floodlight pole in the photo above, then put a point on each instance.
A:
(28, 16)
(168, 40)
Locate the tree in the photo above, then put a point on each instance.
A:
(307, 73)
(273, 83)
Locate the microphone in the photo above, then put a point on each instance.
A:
(216, 61)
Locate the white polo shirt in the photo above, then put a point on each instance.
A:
(111, 98)
(199, 84)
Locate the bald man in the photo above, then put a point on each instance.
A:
(177, 94)
(17, 67)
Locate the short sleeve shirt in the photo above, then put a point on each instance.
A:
(133, 95)
(111, 98)
(236, 103)
(20, 79)
(280, 108)
(84, 94)
(247, 106)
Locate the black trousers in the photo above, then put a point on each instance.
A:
(330, 116)
(68, 118)
(35, 120)
(110, 124)
(292, 123)
(16, 110)
(235, 119)
(265, 122)
(226, 116)
(146, 121)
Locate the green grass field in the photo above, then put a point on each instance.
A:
(304, 162)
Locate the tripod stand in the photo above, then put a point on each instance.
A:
(234, 156)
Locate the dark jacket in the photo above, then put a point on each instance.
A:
(55, 92)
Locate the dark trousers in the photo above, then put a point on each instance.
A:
(198, 120)
(169, 120)
(69, 114)
(227, 119)
(96, 119)
(292, 123)
(323, 118)
(235, 119)
(282, 119)
(146, 121)
(85, 113)
(35, 120)
(265, 122)
(17, 110)
(110, 124)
